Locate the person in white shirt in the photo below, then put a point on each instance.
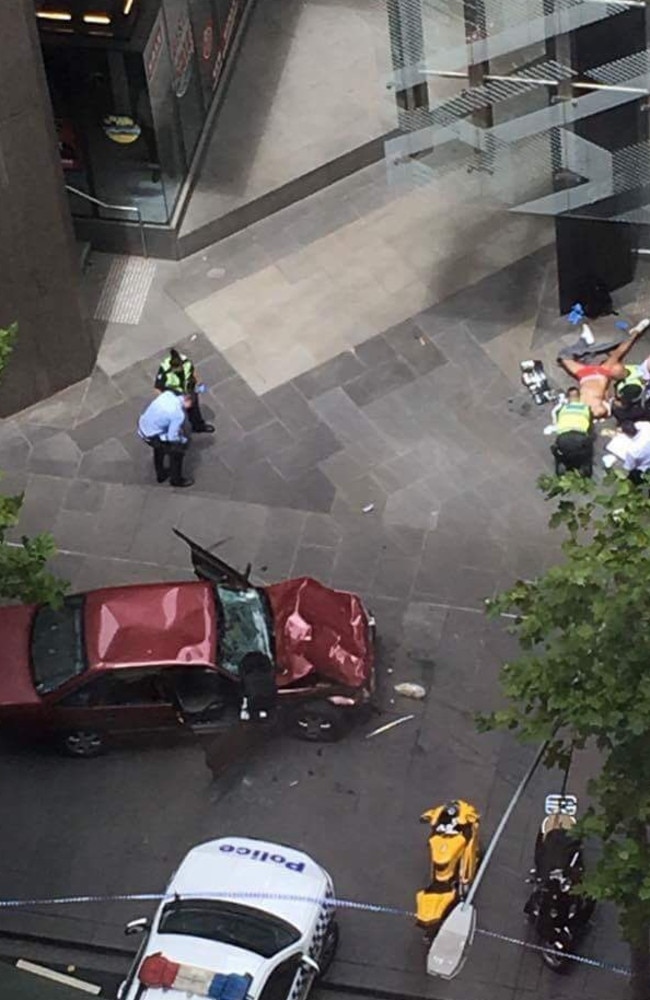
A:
(161, 426)
(637, 454)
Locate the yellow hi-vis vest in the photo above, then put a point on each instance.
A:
(172, 380)
(574, 417)
(633, 377)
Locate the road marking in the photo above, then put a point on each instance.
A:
(58, 977)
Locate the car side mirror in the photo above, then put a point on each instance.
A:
(309, 963)
(138, 926)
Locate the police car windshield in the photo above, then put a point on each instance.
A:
(228, 923)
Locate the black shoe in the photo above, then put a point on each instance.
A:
(182, 483)
(163, 478)
(206, 429)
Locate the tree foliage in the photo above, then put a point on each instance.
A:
(583, 675)
(23, 567)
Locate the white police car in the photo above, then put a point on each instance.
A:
(241, 919)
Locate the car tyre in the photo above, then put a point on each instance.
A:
(318, 722)
(330, 945)
(83, 743)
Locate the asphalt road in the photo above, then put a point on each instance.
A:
(121, 823)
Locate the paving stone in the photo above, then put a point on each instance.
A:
(263, 442)
(394, 576)
(315, 490)
(112, 423)
(197, 347)
(327, 376)
(212, 371)
(60, 410)
(411, 506)
(351, 425)
(321, 530)
(259, 483)
(152, 539)
(379, 381)
(75, 531)
(375, 351)
(409, 341)
(242, 404)
(136, 381)
(110, 462)
(210, 474)
(84, 496)
(119, 519)
(315, 561)
(290, 406)
(101, 394)
(15, 449)
(55, 456)
(314, 445)
(275, 557)
(43, 498)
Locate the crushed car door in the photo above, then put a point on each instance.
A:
(208, 566)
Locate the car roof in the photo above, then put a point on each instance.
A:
(150, 623)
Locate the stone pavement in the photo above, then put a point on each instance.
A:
(383, 446)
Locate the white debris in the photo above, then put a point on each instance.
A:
(389, 725)
(410, 690)
(368, 508)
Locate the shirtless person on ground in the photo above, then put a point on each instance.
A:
(594, 380)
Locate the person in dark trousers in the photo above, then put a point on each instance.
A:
(573, 449)
(629, 404)
(177, 373)
(161, 426)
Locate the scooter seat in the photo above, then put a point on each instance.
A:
(432, 905)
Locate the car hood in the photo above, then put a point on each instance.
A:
(319, 630)
(16, 687)
(278, 879)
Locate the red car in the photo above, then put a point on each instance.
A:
(151, 656)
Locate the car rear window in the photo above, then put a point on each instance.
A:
(57, 645)
(244, 626)
(228, 923)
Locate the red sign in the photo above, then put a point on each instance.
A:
(182, 46)
(223, 42)
(154, 48)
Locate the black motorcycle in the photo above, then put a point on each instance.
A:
(559, 914)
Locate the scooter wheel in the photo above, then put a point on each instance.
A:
(554, 959)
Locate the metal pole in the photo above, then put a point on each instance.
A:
(502, 824)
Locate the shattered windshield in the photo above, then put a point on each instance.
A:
(228, 923)
(244, 626)
(57, 645)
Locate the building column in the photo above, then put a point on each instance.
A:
(39, 270)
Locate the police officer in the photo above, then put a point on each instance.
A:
(574, 446)
(161, 427)
(177, 374)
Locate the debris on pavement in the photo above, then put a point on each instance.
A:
(368, 508)
(389, 725)
(410, 690)
(292, 784)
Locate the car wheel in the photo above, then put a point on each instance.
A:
(328, 951)
(318, 722)
(83, 743)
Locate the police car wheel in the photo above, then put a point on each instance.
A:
(83, 743)
(318, 722)
(328, 951)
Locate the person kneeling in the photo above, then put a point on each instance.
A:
(573, 449)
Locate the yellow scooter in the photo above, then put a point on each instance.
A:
(454, 852)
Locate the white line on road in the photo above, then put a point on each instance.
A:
(58, 977)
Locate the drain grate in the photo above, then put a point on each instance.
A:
(125, 290)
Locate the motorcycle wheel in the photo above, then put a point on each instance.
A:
(554, 959)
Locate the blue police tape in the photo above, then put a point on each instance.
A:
(594, 962)
(342, 904)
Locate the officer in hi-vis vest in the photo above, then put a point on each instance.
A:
(573, 449)
(176, 373)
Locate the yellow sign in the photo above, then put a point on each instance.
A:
(121, 129)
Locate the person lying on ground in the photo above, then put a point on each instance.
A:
(595, 380)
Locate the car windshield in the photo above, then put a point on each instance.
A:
(228, 923)
(244, 626)
(57, 645)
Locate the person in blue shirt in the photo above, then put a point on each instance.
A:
(161, 426)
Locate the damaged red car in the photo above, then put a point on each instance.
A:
(197, 654)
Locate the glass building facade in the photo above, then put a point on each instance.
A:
(131, 84)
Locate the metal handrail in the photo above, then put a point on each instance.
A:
(114, 208)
